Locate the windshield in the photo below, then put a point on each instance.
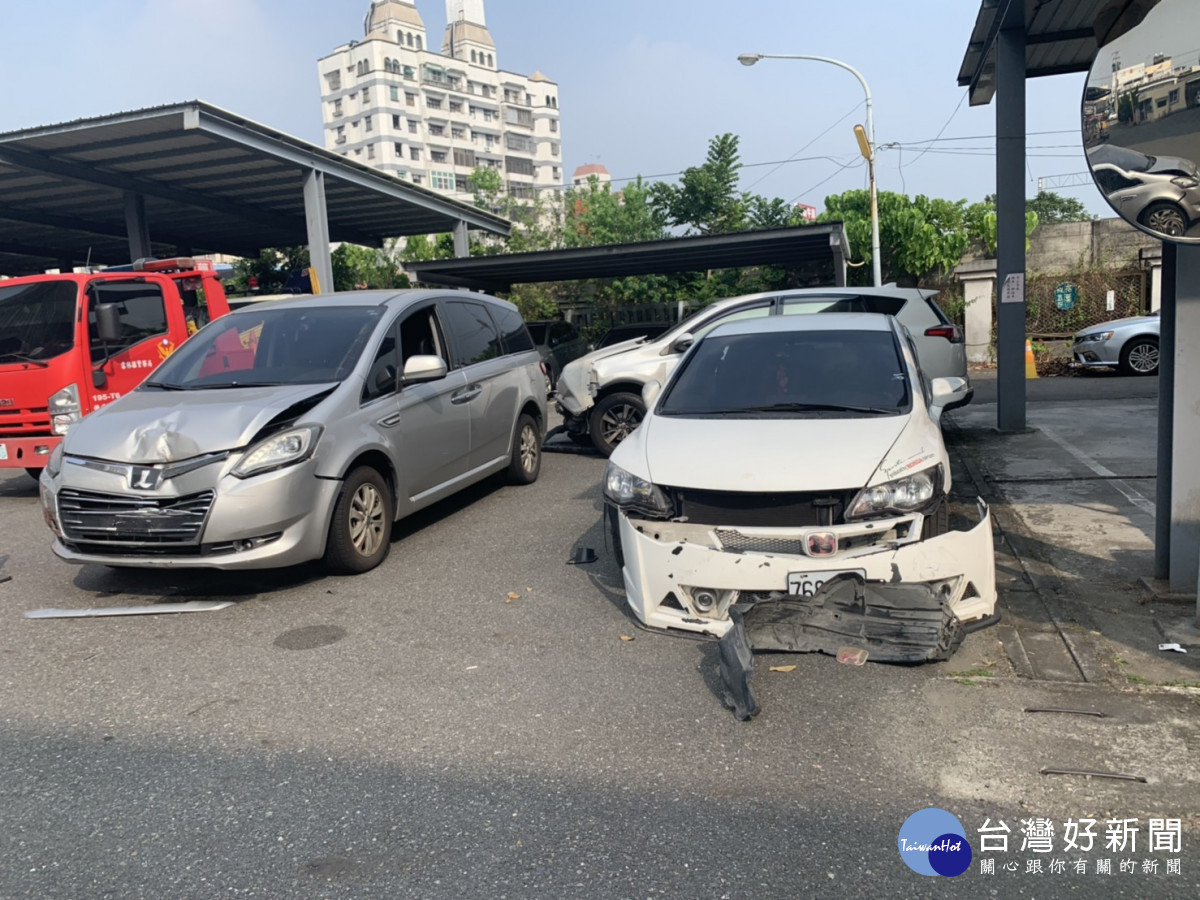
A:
(256, 347)
(37, 321)
(791, 373)
(1129, 160)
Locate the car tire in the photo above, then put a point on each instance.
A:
(361, 531)
(1165, 218)
(937, 522)
(526, 461)
(613, 418)
(1140, 357)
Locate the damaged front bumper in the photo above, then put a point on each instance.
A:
(688, 577)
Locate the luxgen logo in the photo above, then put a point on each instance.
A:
(144, 479)
(934, 842)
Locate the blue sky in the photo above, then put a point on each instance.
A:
(644, 84)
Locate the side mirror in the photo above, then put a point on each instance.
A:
(650, 391)
(420, 369)
(682, 342)
(108, 322)
(99, 379)
(945, 389)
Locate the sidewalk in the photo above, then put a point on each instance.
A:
(1073, 504)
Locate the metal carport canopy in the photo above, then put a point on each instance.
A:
(198, 179)
(823, 246)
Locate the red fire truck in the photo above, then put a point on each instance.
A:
(71, 343)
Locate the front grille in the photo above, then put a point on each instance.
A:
(810, 509)
(24, 423)
(129, 520)
(752, 543)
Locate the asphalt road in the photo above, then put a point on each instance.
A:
(415, 732)
(1095, 385)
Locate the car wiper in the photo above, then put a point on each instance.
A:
(237, 384)
(25, 359)
(817, 407)
(162, 385)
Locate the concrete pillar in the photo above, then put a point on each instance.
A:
(317, 218)
(1185, 474)
(136, 227)
(1152, 261)
(978, 279)
(462, 243)
(1010, 220)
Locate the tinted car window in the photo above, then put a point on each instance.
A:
(472, 334)
(758, 311)
(562, 332)
(381, 377)
(309, 345)
(141, 311)
(537, 331)
(790, 373)
(888, 306)
(512, 329)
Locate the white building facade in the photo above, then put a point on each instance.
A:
(392, 102)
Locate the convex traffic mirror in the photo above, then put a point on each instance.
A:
(1141, 116)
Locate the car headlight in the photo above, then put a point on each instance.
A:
(1094, 337)
(65, 409)
(284, 449)
(54, 462)
(626, 491)
(911, 493)
(1185, 182)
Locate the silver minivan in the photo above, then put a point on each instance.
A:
(300, 430)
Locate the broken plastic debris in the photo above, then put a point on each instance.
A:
(852, 656)
(513, 595)
(152, 609)
(1174, 647)
(582, 556)
(782, 669)
(626, 638)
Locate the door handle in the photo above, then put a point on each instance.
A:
(466, 395)
(389, 421)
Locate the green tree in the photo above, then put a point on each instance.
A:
(706, 200)
(919, 237)
(595, 215)
(980, 221)
(270, 269)
(367, 267)
(1051, 207)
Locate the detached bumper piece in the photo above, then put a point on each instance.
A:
(902, 623)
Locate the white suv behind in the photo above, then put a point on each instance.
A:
(599, 395)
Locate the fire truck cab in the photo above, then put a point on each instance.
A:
(72, 343)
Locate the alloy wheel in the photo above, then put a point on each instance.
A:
(619, 421)
(367, 519)
(1143, 358)
(529, 448)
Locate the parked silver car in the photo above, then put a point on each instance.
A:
(1160, 192)
(301, 429)
(599, 395)
(1129, 344)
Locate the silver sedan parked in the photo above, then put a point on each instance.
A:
(1128, 344)
(299, 430)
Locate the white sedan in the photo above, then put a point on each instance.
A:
(792, 471)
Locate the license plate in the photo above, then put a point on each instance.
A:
(805, 584)
(3, 451)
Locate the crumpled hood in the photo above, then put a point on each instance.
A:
(573, 379)
(784, 454)
(148, 426)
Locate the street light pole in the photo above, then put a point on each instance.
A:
(867, 148)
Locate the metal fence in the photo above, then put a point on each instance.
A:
(1053, 310)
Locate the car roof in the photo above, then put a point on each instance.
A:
(808, 324)
(370, 298)
(886, 290)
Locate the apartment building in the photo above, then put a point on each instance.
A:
(393, 102)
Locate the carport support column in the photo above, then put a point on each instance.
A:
(462, 245)
(136, 226)
(1185, 474)
(317, 218)
(1010, 218)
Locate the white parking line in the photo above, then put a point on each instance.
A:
(1127, 490)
